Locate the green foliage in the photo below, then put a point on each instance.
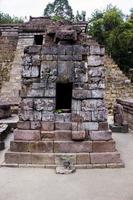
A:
(110, 28)
(7, 19)
(60, 8)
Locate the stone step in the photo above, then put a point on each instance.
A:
(57, 135)
(94, 160)
(63, 125)
(49, 146)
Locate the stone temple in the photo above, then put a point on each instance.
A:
(62, 114)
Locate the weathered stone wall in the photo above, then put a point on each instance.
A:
(117, 84)
(128, 110)
(8, 43)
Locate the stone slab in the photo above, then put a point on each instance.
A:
(72, 147)
(103, 146)
(100, 135)
(104, 158)
(27, 135)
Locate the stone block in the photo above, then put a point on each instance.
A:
(47, 126)
(78, 135)
(104, 158)
(47, 135)
(77, 117)
(76, 105)
(103, 146)
(36, 60)
(103, 126)
(72, 147)
(76, 126)
(42, 158)
(26, 71)
(27, 60)
(52, 50)
(82, 158)
(95, 60)
(24, 158)
(63, 135)
(37, 115)
(66, 35)
(34, 93)
(49, 104)
(34, 49)
(77, 50)
(61, 50)
(81, 94)
(95, 50)
(96, 71)
(91, 126)
(68, 49)
(87, 116)
(19, 146)
(100, 135)
(26, 104)
(99, 115)
(77, 57)
(63, 126)
(27, 135)
(99, 93)
(39, 104)
(11, 157)
(60, 159)
(65, 58)
(93, 104)
(23, 125)
(35, 125)
(50, 92)
(65, 72)
(35, 72)
(63, 117)
(48, 116)
(41, 147)
(49, 57)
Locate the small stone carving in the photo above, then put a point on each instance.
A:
(118, 115)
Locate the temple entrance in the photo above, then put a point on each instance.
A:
(63, 96)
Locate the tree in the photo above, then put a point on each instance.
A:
(7, 19)
(110, 28)
(112, 17)
(59, 8)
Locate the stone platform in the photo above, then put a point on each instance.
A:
(119, 129)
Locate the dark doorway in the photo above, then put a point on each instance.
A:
(38, 39)
(63, 96)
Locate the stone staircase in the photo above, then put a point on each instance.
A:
(10, 89)
(7, 51)
(117, 84)
(57, 147)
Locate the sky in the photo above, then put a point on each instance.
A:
(35, 7)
